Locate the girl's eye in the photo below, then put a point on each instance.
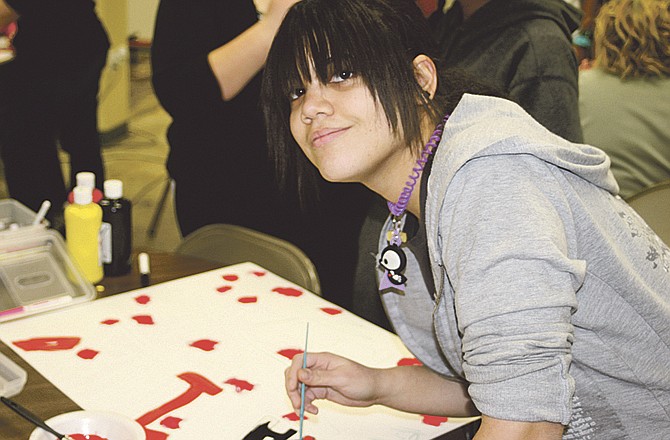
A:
(342, 76)
(296, 93)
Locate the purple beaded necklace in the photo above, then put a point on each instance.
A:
(392, 257)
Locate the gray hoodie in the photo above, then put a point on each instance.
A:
(553, 296)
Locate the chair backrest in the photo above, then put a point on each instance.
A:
(653, 205)
(231, 244)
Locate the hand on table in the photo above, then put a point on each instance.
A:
(331, 377)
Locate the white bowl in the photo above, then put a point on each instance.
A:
(108, 425)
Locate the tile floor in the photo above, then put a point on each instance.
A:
(138, 160)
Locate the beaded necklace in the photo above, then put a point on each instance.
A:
(392, 257)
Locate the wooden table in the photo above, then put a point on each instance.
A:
(46, 401)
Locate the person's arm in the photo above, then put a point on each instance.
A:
(413, 389)
(7, 14)
(238, 61)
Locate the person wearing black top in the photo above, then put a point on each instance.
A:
(49, 94)
(206, 62)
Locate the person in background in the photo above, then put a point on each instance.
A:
(625, 97)
(582, 38)
(531, 293)
(49, 98)
(206, 61)
(521, 47)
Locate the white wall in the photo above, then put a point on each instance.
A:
(141, 18)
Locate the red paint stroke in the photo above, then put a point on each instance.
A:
(109, 321)
(143, 299)
(223, 289)
(87, 353)
(204, 344)
(48, 344)
(198, 385)
(248, 299)
(409, 362)
(91, 437)
(287, 291)
(289, 353)
(171, 422)
(308, 437)
(331, 311)
(293, 417)
(231, 277)
(258, 273)
(240, 385)
(144, 319)
(434, 420)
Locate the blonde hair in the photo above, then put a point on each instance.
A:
(632, 38)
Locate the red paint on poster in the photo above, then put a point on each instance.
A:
(87, 353)
(287, 291)
(258, 273)
(308, 437)
(240, 385)
(109, 321)
(434, 420)
(293, 417)
(409, 362)
(143, 299)
(231, 277)
(144, 319)
(198, 385)
(331, 311)
(223, 289)
(86, 437)
(248, 299)
(171, 422)
(204, 344)
(289, 353)
(48, 344)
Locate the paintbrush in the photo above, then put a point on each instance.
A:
(302, 385)
(32, 418)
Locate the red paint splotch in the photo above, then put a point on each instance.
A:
(48, 344)
(308, 437)
(434, 420)
(204, 344)
(287, 291)
(259, 273)
(109, 321)
(240, 385)
(223, 289)
(231, 277)
(143, 299)
(89, 437)
(171, 422)
(293, 417)
(289, 353)
(247, 299)
(331, 310)
(144, 319)
(87, 353)
(409, 362)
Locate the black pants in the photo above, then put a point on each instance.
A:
(38, 113)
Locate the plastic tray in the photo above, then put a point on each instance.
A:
(16, 218)
(12, 377)
(37, 274)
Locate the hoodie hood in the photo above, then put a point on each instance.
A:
(515, 133)
(504, 14)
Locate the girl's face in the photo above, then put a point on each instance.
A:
(343, 131)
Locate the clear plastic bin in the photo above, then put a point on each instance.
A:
(12, 377)
(16, 218)
(37, 274)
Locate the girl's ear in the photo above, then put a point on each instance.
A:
(426, 74)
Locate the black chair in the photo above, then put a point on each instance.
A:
(231, 244)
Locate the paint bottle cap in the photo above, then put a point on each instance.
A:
(82, 195)
(113, 189)
(85, 178)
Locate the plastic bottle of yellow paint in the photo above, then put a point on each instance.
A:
(83, 219)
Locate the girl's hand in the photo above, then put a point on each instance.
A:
(331, 377)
